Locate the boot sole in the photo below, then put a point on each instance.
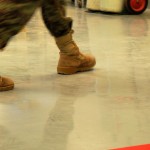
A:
(72, 70)
(6, 88)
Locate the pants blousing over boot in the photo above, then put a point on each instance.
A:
(18, 13)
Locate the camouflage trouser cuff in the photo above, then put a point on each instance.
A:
(60, 28)
(3, 44)
(5, 38)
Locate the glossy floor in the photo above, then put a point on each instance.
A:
(106, 108)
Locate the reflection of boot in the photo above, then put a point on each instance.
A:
(6, 84)
(71, 59)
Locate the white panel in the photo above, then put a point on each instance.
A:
(93, 4)
(111, 6)
(106, 5)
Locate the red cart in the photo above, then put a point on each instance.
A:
(129, 6)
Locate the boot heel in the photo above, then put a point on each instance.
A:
(66, 70)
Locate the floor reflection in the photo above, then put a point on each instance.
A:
(100, 109)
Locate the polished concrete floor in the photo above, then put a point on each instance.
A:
(102, 109)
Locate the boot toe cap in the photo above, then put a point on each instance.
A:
(90, 61)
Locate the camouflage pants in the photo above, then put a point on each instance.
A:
(14, 14)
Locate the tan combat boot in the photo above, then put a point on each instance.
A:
(71, 59)
(6, 84)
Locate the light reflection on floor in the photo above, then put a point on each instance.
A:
(97, 110)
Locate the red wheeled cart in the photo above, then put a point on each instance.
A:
(136, 6)
(118, 6)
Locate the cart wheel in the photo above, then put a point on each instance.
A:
(136, 6)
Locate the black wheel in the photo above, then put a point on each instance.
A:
(136, 6)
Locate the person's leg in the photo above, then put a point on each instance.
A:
(14, 14)
(71, 59)
(54, 15)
